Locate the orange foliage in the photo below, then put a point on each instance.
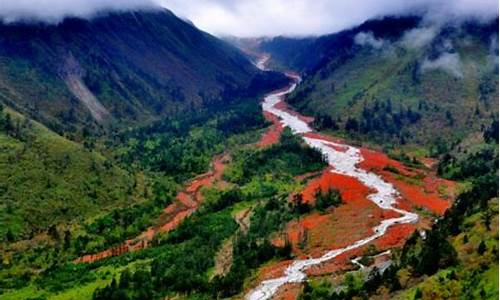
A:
(273, 134)
(350, 188)
(186, 204)
(425, 194)
(395, 236)
(288, 292)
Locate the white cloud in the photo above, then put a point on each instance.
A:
(448, 62)
(368, 39)
(419, 37)
(55, 10)
(250, 18)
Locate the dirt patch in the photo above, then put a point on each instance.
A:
(243, 219)
(223, 259)
(428, 162)
(81, 92)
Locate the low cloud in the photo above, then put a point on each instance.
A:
(368, 39)
(493, 55)
(448, 62)
(55, 10)
(419, 37)
(254, 18)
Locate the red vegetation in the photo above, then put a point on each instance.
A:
(339, 263)
(376, 161)
(316, 233)
(187, 202)
(273, 270)
(273, 134)
(351, 189)
(335, 228)
(417, 188)
(288, 292)
(395, 236)
(418, 196)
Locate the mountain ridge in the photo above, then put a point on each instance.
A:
(400, 65)
(127, 67)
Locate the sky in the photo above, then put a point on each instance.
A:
(255, 18)
(250, 18)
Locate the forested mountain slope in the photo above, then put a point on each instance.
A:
(101, 122)
(47, 180)
(398, 80)
(125, 67)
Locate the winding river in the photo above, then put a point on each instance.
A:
(342, 162)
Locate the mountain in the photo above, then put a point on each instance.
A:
(397, 79)
(138, 160)
(101, 121)
(414, 88)
(310, 54)
(118, 68)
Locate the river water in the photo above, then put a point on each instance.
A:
(342, 162)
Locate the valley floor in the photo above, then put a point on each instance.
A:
(375, 190)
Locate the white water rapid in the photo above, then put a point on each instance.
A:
(343, 163)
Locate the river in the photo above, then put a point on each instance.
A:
(342, 162)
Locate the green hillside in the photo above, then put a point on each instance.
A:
(119, 68)
(62, 199)
(46, 179)
(376, 83)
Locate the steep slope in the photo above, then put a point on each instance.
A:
(125, 67)
(398, 80)
(46, 179)
(308, 55)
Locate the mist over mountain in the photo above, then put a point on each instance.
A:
(54, 11)
(257, 18)
(119, 67)
(346, 76)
